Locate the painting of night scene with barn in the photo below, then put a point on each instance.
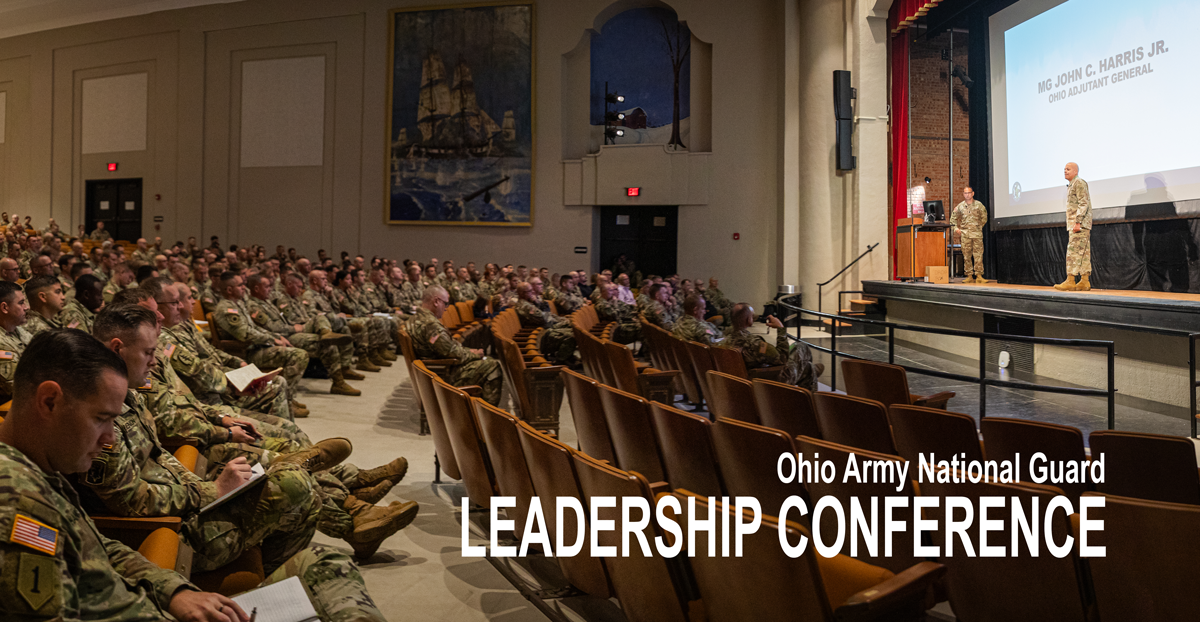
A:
(460, 116)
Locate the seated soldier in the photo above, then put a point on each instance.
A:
(10, 270)
(431, 340)
(296, 310)
(80, 311)
(345, 298)
(46, 300)
(799, 370)
(660, 307)
(565, 296)
(718, 303)
(609, 309)
(691, 325)
(13, 338)
(137, 477)
(367, 341)
(122, 278)
(557, 341)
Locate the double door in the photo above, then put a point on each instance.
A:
(116, 202)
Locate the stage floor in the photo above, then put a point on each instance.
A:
(1159, 312)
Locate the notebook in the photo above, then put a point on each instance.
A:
(256, 474)
(285, 601)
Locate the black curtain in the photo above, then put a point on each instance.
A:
(1157, 255)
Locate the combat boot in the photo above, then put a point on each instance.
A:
(377, 359)
(355, 328)
(350, 374)
(320, 457)
(337, 339)
(387, 354)
(979, 278)
(1067, 285)
(372, 494)
(298, 409)
(393, 472)
(340, 387)
(1084, 284)
(365, 364)
(373, 525)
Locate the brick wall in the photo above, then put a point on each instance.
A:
(929, 119)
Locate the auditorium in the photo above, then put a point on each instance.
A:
(599, 310)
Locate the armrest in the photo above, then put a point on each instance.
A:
(909, 590)
(539, 374)
(439, 362)
(161, 548)
(142, 524)
(472, 390)
(642, 367)
(188, 456)
(765, 373)
(937, 400)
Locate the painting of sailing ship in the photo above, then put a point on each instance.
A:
(461, 116)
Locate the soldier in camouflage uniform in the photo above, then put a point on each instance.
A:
(80, 311)
(566, 297)
(298, 310)
(412, 292)
(557, 340)
(322, 345)
(122, 277)
(13, 338)
(1079, 232)
(431, 340)
(799, 368)
(462, 289)
(661, 310)
(691, 325)
(46, 299)
(264, 349)
(609, 309)
(718, 303)
(345, 298)
(368, 338)
(968, 219)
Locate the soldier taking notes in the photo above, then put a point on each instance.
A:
(968, 219)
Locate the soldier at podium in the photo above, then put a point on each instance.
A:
(968, 219)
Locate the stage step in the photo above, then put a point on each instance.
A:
(828, 322)
(851, 312)
(863, 305)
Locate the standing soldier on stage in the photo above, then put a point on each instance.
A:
(1079, 232)
(968, 219)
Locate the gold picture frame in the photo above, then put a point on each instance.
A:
(453, 70)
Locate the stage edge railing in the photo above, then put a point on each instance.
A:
(982, 379)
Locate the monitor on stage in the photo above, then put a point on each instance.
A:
(1111, 85)
(934, 210)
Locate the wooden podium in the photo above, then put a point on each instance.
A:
(928, 240)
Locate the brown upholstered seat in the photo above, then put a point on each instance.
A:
(747, 454)
(469, 450)
(887, 384)
(922, 430)
(687, 371)
(591, 428)
(536, 389)
(730, 361)
(1154, 467)
(854, 421)
(423, 380)
(632, 433)
(685, 441)
(650, 383)
(1005, 437)
(702, 363)
(499, 431)
(786, 407)
(732, 398)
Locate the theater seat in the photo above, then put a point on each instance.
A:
(786, 407)
(887, 384)
(854, 421)
(920, 430)
(1155, 467)
(685, 442)
(731, 397)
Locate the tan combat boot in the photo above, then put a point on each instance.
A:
(979, 278)
(372, 494)
(365, 364)
(387, 354)
(320, 457)
(340, 387)
(299, 411)
(393, 472)
(378, 360)
(373, 525)
(1067, 285)
(350, 374)
(337, 339)
(1084, 283)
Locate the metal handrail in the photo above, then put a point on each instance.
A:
(821, 285)
(982, 380)
(1192, 338)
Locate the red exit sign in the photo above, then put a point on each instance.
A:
(112, 166)
(633, 192)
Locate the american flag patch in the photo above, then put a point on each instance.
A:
(5, 355)
(34, 535)
(170, 350)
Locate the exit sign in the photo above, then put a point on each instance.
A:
(633, 192)
(112, 166)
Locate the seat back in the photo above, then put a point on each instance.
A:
(423, 381)
(624, 371)
(691, 384)
(632, 432)
(514, 364)
(1016, 585)
(702, 363)
(884, 383)
(729, 361)
(747, 454)
(732, 397)
(643, 583)
(198, 311)
(920, 430)
(503, 442)
(450, 318)
(595, 359)
(1148, 571)
(685, 441)
(786, 407)
(1005, 437)
(552, 471)
(591, 428)
(1154, 467)
(901, 557)
(466, 312)
(407, 351)
(854, 421)
(469, 450)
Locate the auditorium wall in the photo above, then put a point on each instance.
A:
(216, 159)
(929, 119)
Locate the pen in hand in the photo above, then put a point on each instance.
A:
(253, 614)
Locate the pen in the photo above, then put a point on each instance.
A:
(253, 614)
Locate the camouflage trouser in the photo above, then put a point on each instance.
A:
(329, 355)
(1079, 252)
(272, 400)
(292, 360)
(382, 331)
(800, 370)
(279, 515)
(558, 345)
(485, 373)
(627, 332)
(365, 339)
(972, 251)
(333, 583)
(271, 426)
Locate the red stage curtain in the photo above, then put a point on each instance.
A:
(899, 120)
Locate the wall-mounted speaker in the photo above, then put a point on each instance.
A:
(842, 94)
(845, 154)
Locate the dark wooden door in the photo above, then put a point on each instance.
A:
(117, 202)
(646, 235)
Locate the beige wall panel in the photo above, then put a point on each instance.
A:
(14, 137)
(114, 114)
(3, 114)
(283, 112)
(279, 205)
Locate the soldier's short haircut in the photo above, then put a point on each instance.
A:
(155, 286)
(8, 290)
(653, 290)
(340, 276)
(121, 267)
(86, 283)
(432, 292)
(78, 269)
(120, 320)
(65, 261)
(690, 303)
(38, 283)
(72, 358)
(294, 276)
(131, 296)
(145, 272)
(564, 278)
(215, 272)
(226, 279)
(253, 280)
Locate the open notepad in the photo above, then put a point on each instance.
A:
(256, 474)
(285, 601)
(250, 379)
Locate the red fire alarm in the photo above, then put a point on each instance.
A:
(633, 192)
(737, 236)
(112, 166)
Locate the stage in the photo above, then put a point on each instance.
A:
(1157, 312)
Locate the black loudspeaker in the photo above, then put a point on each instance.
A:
(842, 94)
(845, 156)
